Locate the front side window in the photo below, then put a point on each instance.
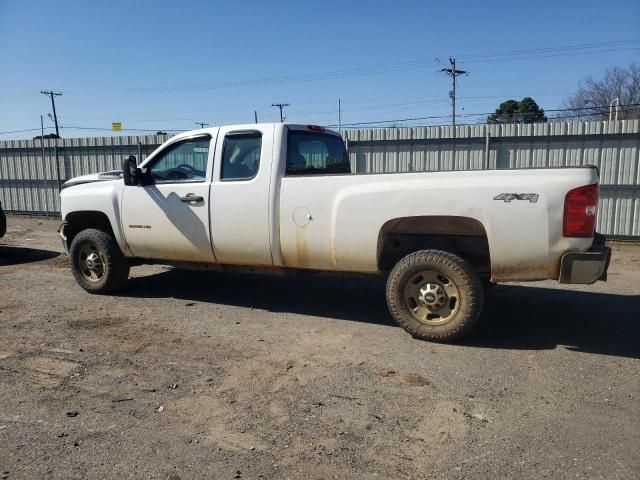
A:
(241, 155)
(184, 161)
(313, 153)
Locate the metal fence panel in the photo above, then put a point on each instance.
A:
(614, 147)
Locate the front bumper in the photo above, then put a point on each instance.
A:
(63, 237)
(586, 267)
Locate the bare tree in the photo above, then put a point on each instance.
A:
(594, 97)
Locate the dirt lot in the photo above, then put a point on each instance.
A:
(193, 375)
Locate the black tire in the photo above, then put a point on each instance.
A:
(115, 266)
(3, 223)
(462, 313)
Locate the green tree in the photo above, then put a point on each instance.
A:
(530, 111)
(505, 113)
(512, 111)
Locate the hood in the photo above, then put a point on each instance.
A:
(93, 177)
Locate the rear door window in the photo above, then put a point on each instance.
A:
(241, 155)
(314, 153)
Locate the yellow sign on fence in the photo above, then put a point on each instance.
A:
(116, 126)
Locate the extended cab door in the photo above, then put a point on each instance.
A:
(240, 195)
(315, 183)
(168, 217)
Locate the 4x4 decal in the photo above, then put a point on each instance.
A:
(507, 197)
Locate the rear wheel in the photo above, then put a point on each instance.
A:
(97, 263)
(435, 295)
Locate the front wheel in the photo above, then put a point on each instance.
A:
(435, 295)
(97, 263)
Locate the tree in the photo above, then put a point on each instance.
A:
(505, 113)
(593, 98)
(512, 111)
(161, 133)
(530, 111)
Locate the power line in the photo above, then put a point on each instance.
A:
(431, 117)
(486, 57)
(432, 100)
(142, 120)
(76, 127)
(585, 111)
(240, 119)
(387, 68)
(202, 124)
(25, 130)
(579, 46)
(552, 55)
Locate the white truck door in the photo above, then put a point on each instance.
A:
(168, 218)
(240, 193)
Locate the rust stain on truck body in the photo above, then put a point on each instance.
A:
(302, 249)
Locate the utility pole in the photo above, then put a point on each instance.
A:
(339, 115)
(42, 146)
(453, 73)
(617, 102)
(42, 137)
(255, 116)
(51, 94)
(280, 106)
(202, 124)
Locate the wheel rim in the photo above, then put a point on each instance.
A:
(431, 297)
(91, 262)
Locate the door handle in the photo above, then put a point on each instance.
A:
(190, 197)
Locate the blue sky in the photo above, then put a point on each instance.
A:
(163, 64)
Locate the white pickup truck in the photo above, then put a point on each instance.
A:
(281, 198)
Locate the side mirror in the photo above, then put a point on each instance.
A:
(130, 171)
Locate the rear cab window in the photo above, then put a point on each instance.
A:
(316, 153)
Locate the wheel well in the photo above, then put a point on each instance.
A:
(78, 221)
(463, 236)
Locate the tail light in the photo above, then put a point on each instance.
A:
(580, 207)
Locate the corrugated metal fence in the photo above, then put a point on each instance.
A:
(614, 147)
(30, 176)
(29, 180)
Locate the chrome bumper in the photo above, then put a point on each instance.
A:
(63, 237)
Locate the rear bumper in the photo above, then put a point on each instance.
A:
(586, 267)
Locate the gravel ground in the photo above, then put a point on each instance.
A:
(199, 375)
